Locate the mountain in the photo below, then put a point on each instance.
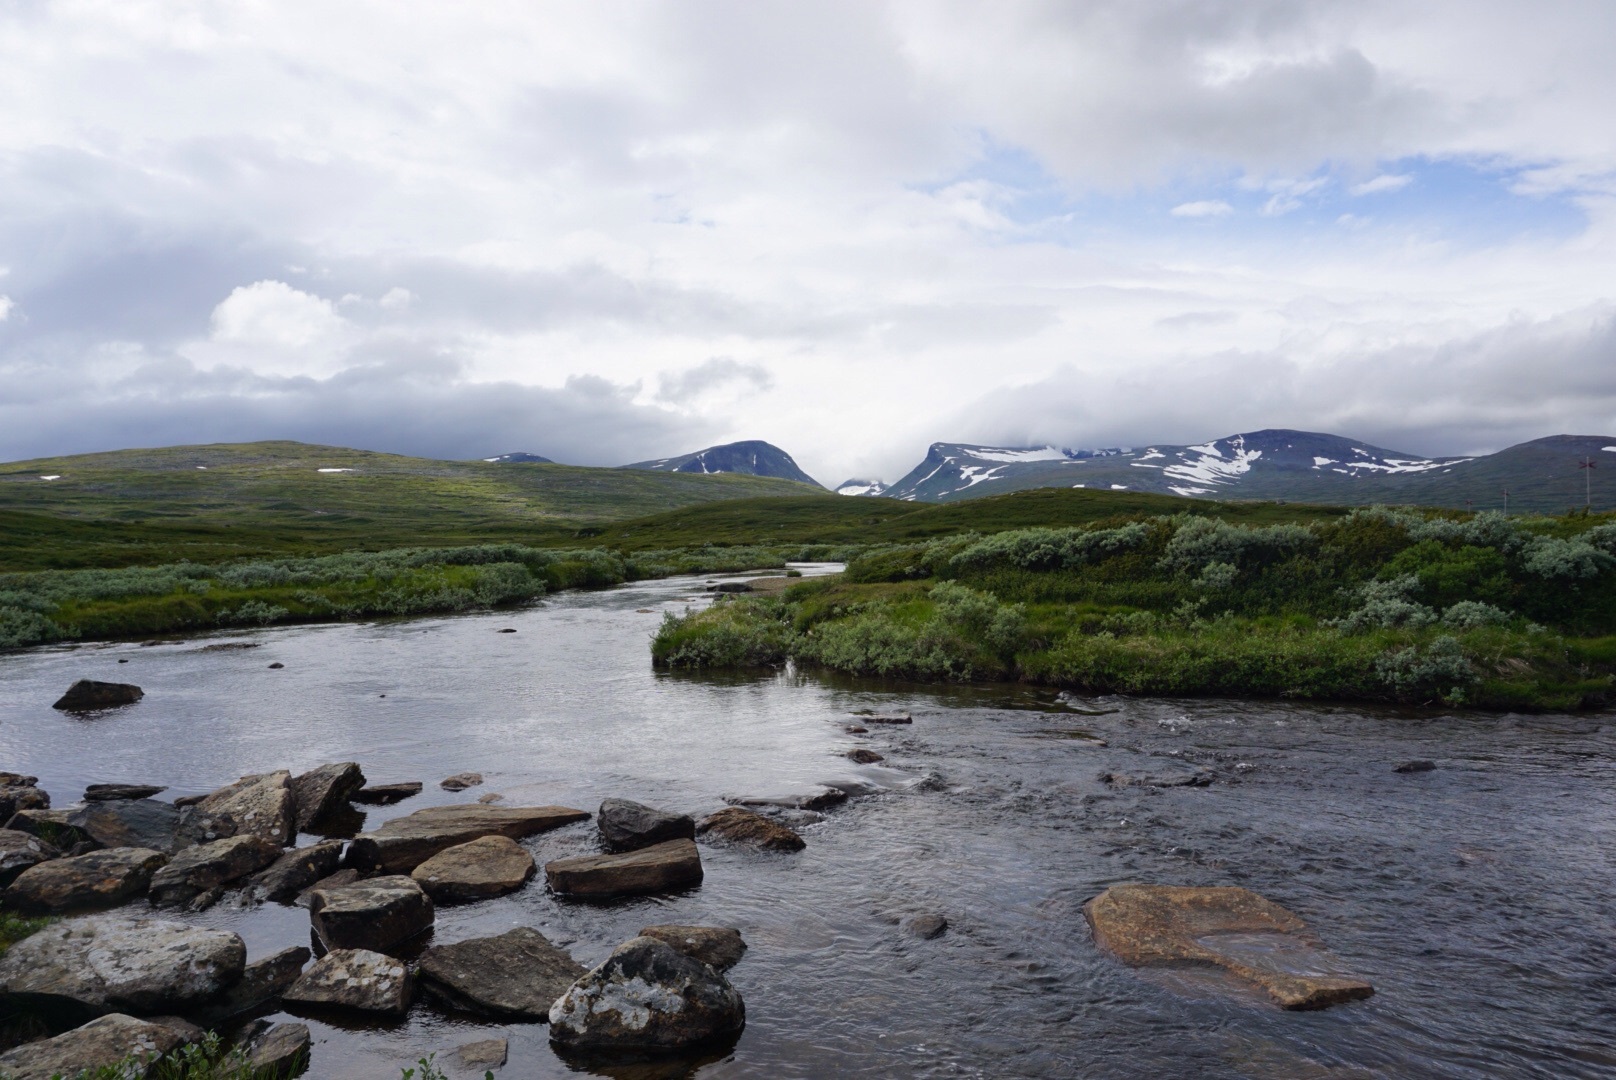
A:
(861, 487)
(750, 458)
(521, 457)
(1304, 466)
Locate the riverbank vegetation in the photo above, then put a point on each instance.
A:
(1375, 604)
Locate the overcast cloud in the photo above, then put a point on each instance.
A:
(607, 233)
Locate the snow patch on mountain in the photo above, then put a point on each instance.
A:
(858, 486)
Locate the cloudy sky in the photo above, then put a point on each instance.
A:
(611, 231)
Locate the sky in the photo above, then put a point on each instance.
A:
(611, 232)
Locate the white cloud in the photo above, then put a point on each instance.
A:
(397, 298)
(275, 314)
(1383, 183)
(6, 305)
(1205, 208)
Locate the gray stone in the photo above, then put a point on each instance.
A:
(926, 927)
(864, 757)
(750, 828)
(280, 1051)
(625, 825)
(355, 979)
(1161, 774)
(818, 799)
(321, 792)
(204, 867)
(477, 870)
(102, 1043)
(262, 982)
(87, 695)
(187, 1031)
(659, 868)
(111, 792)
(20, 793)
(484, 1054)
(514, 976)
(718, 947)
(376, 914)
(647, 996)
(461, 781)
(730, 587)
(100, 879)
(51, 826)
(334, 881)
(110, 964)
(296, 870)
(1421, 765)
(261, 804)
(404, 843)
(19, 851)
(148, 823)
(384, 794)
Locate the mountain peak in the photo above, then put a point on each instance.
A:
(751, 457)
(520, 457)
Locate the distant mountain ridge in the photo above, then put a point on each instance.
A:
(520, 457)
(752, 457)
(1276, 463)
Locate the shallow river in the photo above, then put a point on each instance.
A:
(1477, 898)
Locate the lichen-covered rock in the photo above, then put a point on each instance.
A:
(87, 695)
(91, 882)
(148, 823)
(718, 947)
(324, 791)
(20, 851)
(659, 868)
(296, 870)
(18, 792)
(478, 870)
(750, 828)
(375, 914)
(355, 979)
(209, 866)
(261, 804)
(404, 843)
(110, 964)
(102, 1043)
(627, 826)
(647, 996)
(516, 975)
(1227, 927)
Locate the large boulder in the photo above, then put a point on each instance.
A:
(660, 868)
(404, 843)
(386, 794)
(101, 1044)
(296, 870)
(51, 826)
(375, 914)
(21, 851)
(647, 996)
(261, 804)
(98, 880)
(750, 828)
(355, 979)
(148, 823)
(18, 792)
(87, 695)
(1231, 928)
(109, 964)
(514, 976)
(112, 792)
(719, 947)
(486, 867)
(209, 866)
(320, 793)
(262, 982)
(626, 826)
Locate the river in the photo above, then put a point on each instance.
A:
(1475, 897)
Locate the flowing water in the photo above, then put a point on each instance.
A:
(1477, 897)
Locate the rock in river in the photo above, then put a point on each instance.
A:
(461, 781)
(402, 844)
(262, 981)
(87, 695)
(112, 792)
(355, 979)
(926, 927)
(101, 879)
(1231, 928)
(659, 868)
(717, 946)
(51, 826)
(279, 1051)
(819, 799)
(477, 870)
(148, 823)
(19, 792)
(262, 804)
(111, 964)
(746, 827)
(20, 851)
(386, 794)
(321, 792)
(1421, 765)
(209, 866)
(625, 825)
(100, 1044)
(296, 870)
(515, 976)
(374, 914)
(647, 996)
(864, 757)
(1162, 774)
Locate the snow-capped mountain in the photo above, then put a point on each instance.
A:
(861, 487)
(752, 457)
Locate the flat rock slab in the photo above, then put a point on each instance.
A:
(402, 844)
(87, 695)
(112, 792)
(479, 869)
(1231, 928)
(1159, 776)
(718, 947)
(148, 823)
(747, 827)
(484, 1054)
(515, 976)
(375, 914)
(819, 799)
(261, 804)
(98, 880)
(386, 794)
(210, 866)
(659, 868)
(322, 792)
(355, 979)
(281, 1051)
(461, 781)
(626, 825)
(21, 851)
(296, 870)
(100, 1044)
(647, 995)
(109, 964)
